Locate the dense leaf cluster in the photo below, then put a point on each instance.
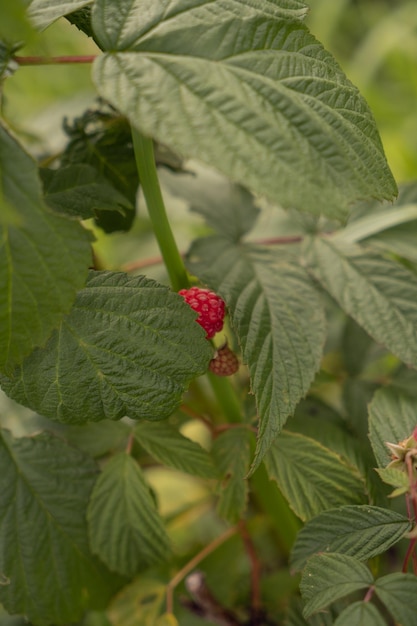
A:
(113, 366)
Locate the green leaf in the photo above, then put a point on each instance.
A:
(392, 418)
(130, 346)
(360, 614)
(329, 577)
(165, 444)
(244, 87)
(44, 555)
(43, 12)
(281, 336)
(380, 294)
(96, 439)
(43, 258)
(231, 452)
(81, 191)
(229, 209)
(358, 531)
(125, 529)
(399, 594)
(312, 477)
(138, 604)
(14, 25)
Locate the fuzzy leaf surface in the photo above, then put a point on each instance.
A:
(43, 12)
(392, 418)
(244, 87)
(358, 531)
(43, 257)
(330, 577)
(399, 594)
(312, 477)
(125, 529)
(231, 452)
(360, 614)
(168, 446)
(80, 191)
(44, 554)
(380, 294)
(130, 346)
(281, 338)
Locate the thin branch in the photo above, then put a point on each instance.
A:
(188, 567)
(37, 60)
(255, 567)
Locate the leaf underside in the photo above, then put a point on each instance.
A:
(244, 87)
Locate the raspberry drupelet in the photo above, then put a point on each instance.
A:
(209, 306)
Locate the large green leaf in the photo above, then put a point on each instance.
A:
(329, 577)
(43, 12)
(47, 571)
(243, 86)
(43, 257)
(399, 594)
(380, 294)
(231, 452)
(168, 446)
(360, 614)
(392, 418)
(130, 346)
(279, 320)
(312, 477)
(358, 531)
(125, 529)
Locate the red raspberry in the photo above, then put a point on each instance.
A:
(208, 305)
(225, 362)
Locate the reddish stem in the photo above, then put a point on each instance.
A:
(54, 60)
(369, 594)
(255, 567)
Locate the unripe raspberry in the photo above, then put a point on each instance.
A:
(208, 305)
(225, 363)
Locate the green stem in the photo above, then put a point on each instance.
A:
(272, 502)
(226, 397)
(145, 162)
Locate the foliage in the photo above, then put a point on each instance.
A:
(128, 469)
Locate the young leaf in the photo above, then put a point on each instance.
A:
(392, 418)
(395, 478)
(43, 12)
(380, 294)
(238, 83)
(360, 614)
(329, 577)
(231, 452)
(125, 529)
(399, 594)
(48, 573)
(165, 444)
(278, 318)
(129, 347)
(139, 603)
(81, 191)
(102, 139)
(358, 531)
(312, 477)
(43, 258)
